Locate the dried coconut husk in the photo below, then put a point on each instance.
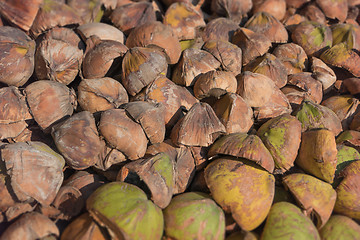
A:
(292, 56)
(28, 164)
(141, 66)
(304, 86)
(347, 201)
(246, 146)
(276, 106)
(344, 106)
(255, 88)
(251, 43)
(296, 3)
(202, 122)
(129, 16)
(102, 30)
(234, 10)
(270, 66)
(192, 63)
(323, 73)
(101, 94)
(313, 37)
(88, 10)
(220, 29)
(318, 154)
(228, 54)
(349, 138)
(183, 160)
(316, 198)
(78, 141)
(347, 33)
(151, 118)
(352, 85)
(123, 133)
(158, 173)
(268, 25)
(53, 14)
(17, 55)
(341, 56)
(313, 116)
(234, 113)
(84, 227)
(32, 226)
(184, 19)
(172, 97)
(20, 12)
(292, 19)
(214, 84)
(102, 57)
(14, 112)
(337, 9)
(110, 157)
(156, 33)
(67, 204)
(312, 12)
(276, 8)
(49, 102)
(59, 56)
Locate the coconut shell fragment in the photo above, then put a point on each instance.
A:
(192, 63)
(184, 19)
(20, 12)
(28, 164)
(59, 56)
(248, 203)
(234, 113)
(53, 14)
(123, 133)
(313, 37)
(340, 227)
(270, 66)
(265, 23)
(158, 173)
(219, 29)
(292, 56)
(83, 228)
(337, 9)
(317, 154)
(285, 219)
(49, 102)
(202, 122)
(347, 202)
(95, 95)
(282, 136)
(129, 16)
(251, 84)
(252, 44)
(341, 56)
(156, 33)
(31, 226)
(126, 212)
(78, 140)
(140, 67)
(209, 222)
(323, 73)
(315, 196)
(244, 146)
(214, 84)
(232, 9)
(14, 112)
(102, 30)
(312, 116)
(151, 118)
(344, 106)
(17, 55)
(172, 97)
(102, 57)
